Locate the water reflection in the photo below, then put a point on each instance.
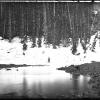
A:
(44, 82)
(24, 88)
(75, 83)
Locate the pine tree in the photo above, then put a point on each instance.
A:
(9, 24)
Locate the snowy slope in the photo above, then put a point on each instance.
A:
(12, 53)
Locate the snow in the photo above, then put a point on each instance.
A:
(12, 53)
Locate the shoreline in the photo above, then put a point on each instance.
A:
(91, 69)
(17, 65)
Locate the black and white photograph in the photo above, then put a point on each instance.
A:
(49, 49)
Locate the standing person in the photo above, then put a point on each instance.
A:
(48, 59)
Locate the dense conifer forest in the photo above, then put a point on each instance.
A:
(59, 23)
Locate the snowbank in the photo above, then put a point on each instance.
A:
(12, 53)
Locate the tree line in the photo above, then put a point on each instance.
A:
(54, 21)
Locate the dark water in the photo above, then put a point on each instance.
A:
(41, 82)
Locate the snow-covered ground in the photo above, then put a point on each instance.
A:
(12, 53)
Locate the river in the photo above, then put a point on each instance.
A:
(40, 82)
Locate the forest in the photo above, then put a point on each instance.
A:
(59, 23)
(37, 39)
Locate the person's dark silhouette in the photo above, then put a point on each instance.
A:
(48, 59)
(23, 53)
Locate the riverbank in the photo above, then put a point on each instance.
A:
(7, 66)
(91, 69)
